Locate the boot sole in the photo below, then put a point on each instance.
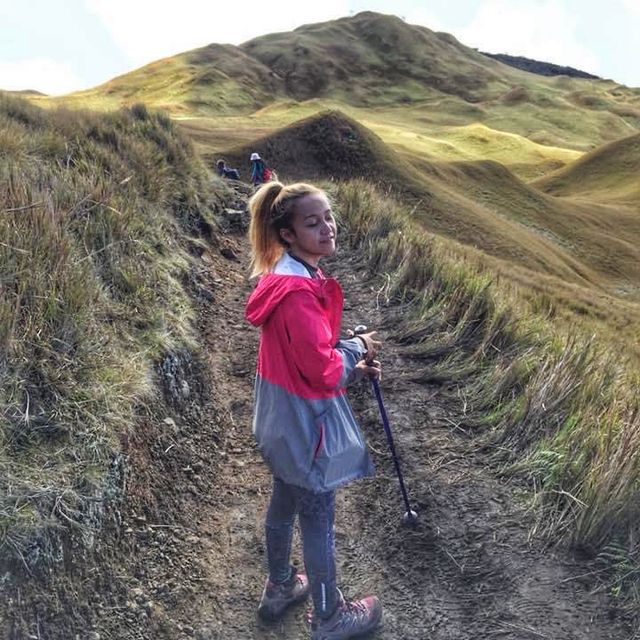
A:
(269, 615)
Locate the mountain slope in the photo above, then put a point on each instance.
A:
(323, 59)
(610, 173)
(480, 204)
(373, 60)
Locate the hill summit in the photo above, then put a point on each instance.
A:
(329, 145)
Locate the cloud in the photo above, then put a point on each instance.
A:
(42, 74)
(545, 30)
(146, 30)
(633, 6)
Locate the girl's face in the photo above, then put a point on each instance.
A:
(313, 232)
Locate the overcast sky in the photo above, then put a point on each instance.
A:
(57, 46)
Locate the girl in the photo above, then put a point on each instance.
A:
(303, 423)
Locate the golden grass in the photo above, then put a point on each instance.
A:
(556, 401)
(421, 91)
(608, 174)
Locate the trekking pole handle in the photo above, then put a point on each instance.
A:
(361, 328)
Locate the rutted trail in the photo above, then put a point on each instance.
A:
(468, 571)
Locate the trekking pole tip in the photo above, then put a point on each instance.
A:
(410, 518)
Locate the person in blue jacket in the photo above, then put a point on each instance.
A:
(257, 169)
(227, 172)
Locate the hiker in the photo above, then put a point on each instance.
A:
(303, 423)
(227, 172)
(260, 173)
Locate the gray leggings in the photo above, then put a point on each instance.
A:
(316, 513)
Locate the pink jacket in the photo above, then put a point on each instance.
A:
(303, 423)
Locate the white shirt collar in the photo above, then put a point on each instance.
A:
(287, 266)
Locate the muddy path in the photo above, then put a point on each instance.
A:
(468, 571)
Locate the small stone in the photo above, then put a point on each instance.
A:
(205, 294)
(170, 422)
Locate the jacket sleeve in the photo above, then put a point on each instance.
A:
(352, 352)
(321, 364)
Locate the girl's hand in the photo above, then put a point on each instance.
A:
(366, 369)
(372, 345)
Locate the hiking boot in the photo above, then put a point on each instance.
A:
(349, 620)
(277, 597)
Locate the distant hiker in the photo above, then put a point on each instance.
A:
(303, 422)
(227, 172)
(260, 173)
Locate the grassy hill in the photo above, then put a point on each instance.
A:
(408, 75)
(503, 198)
(455, 131)
(609, 174)
(554, 393)
(99, 213)
(480, 204)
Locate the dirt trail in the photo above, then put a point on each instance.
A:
(468, 571)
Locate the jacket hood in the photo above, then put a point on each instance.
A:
(272, 288)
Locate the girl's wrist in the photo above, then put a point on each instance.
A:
(365, 344)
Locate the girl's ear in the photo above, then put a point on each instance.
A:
(287, 235)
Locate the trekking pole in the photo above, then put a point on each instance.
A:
(410, 516)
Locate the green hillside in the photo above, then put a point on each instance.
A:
(99, 213)
(480, 204)
(493, 217)
(419, 76)
(608, 174)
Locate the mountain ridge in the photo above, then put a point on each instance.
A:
(539, 66)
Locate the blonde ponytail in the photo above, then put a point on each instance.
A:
(272, 208)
